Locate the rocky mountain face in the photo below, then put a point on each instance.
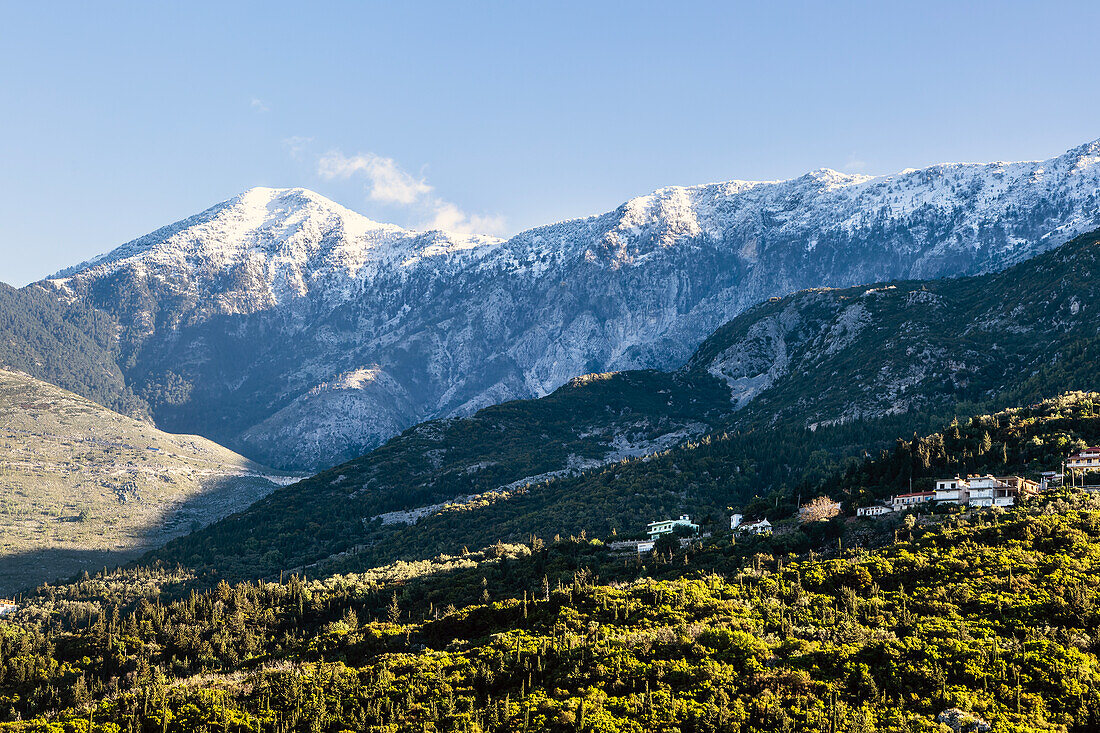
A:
(301, 333)
(778, 397)
(832, 356)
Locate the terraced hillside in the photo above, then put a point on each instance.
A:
(82, 487)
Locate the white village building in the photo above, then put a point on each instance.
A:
(983, 491)
(874, 510)
(901, 502)
(665, 526)
(1087, 459)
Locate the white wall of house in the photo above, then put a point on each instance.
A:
(665, 526)
(758, 527)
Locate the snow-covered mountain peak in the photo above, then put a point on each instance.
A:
(288, 291)
(274, 208)
(263, 245)
(828, 178)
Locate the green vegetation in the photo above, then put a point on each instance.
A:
(70, 345)
(839, 625)
(994, 613)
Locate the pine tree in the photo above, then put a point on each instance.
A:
(393, 611)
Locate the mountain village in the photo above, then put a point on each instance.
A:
(978, 491)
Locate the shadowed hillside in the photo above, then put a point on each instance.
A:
(83, 487)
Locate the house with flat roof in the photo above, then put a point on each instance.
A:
(666, 526)
(950, 491)
(983, 491)
(901, 502)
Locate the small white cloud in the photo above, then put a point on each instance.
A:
(296, 144)
(260, 105)
(388, 183)
(450, 218)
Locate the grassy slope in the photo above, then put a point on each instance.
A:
(82, 487)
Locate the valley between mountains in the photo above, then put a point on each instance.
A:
(84, 488)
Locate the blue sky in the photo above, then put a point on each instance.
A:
(118, 118)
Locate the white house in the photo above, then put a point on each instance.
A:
(735, 521)
(988, 491)
(901, 502)
(1087, 459)
(874, 510)
(983, 491)
(7, 607)
(665, 526)
(950, 490)
(756, 526)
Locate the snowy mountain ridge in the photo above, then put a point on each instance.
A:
(261, 306)
(292, 239)
(299, 237)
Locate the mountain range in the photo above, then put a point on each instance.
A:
(781, 396)
(302, 334)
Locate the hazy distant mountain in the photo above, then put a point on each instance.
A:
(302, 333)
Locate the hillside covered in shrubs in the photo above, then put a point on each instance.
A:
(991, 613)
